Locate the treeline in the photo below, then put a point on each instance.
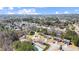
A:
(72, 36)
(6, 40)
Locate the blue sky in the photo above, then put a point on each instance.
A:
(39, 10)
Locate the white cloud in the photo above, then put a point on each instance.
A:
(56, 12)
(11, 13)
(66, 12)
(1, 8)
(24, 11)
(76, 10)
(27, 11)
(11, 8)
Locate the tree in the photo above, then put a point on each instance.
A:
(62, 35)
(44, 31)
(53, 33)
(6, 40)
(72, 35)
(23, 46)
(32, 33)
(73, 28)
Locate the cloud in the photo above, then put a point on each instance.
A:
(1, 8)
(11, 13)
(27, 11)
(66, 12)
(56, 12)
(11, 8)
(23, 11)
(76, 10)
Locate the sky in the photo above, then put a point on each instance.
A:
(39, 10)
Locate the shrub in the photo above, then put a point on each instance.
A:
(47, 46)
(32, 33)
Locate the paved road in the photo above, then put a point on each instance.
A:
(68, 48)
(53, 47)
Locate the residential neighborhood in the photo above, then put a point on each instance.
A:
(39, 33)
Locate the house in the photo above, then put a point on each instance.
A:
(66, 41)
(58, 39)
(58, 33)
